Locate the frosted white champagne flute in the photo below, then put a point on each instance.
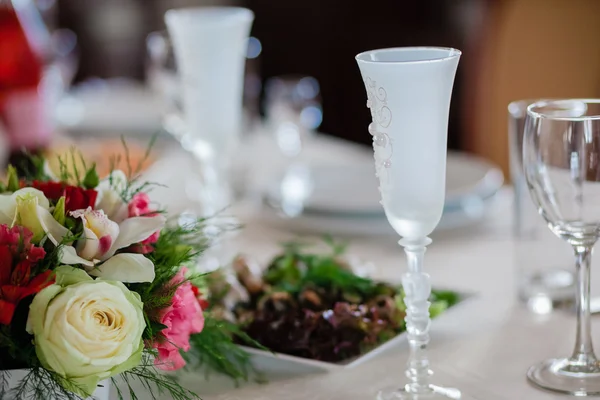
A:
(210, 45)
(409, 91)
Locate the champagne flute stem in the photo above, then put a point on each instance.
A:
(417, 290)
(214, 187)
(583, 353)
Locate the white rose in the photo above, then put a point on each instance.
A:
(86, 330)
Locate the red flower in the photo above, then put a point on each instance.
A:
(17, 258)
(200, 297)
(76, 198)
(79, 199)
(52, 190)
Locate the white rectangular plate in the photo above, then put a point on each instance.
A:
(278, 363)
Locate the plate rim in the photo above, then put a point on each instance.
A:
(483, 190)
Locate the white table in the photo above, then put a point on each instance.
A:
(484, 347)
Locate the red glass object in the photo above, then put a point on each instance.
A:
(22, 106)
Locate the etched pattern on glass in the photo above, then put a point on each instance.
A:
(382, 119)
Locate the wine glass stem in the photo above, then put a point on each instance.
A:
(417, 290)
(584, 351)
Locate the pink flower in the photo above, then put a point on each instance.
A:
(182, 319)
(140, 207)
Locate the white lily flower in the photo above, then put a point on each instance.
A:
(109, 196)
(27, 207)
(99, 234)
(8, 203)
(100, 241)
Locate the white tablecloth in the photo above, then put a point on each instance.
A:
(484, 347)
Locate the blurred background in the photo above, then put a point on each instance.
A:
(512, 49)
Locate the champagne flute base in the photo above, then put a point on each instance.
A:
(435, 393)
(567, 376)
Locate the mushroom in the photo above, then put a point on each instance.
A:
(248, 273)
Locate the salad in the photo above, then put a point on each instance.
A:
(312, 305)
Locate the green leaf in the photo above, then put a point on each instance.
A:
(59, 211)
(156, 385)
(215, 349)
(13, 179)
(30, 167)
(91, 179)
(328, 274)
(41, 384)
(75, 169)
(338, 248)
(284, 270)
(450, 297)
(438, 307)
(153, 328)
(70, 223)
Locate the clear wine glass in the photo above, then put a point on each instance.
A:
(293, 114)
(293, 110)
(163, 79)
(408, 92)
(561, 160)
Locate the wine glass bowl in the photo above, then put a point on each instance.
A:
(561, 161)
(563, 172)
(293, 113)
(409, 91)
(163, 79)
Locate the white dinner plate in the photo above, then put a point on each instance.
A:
(113, 105)
(350, 188)
(345, 199)
(267, 361)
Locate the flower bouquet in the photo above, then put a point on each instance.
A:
(94, 286)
